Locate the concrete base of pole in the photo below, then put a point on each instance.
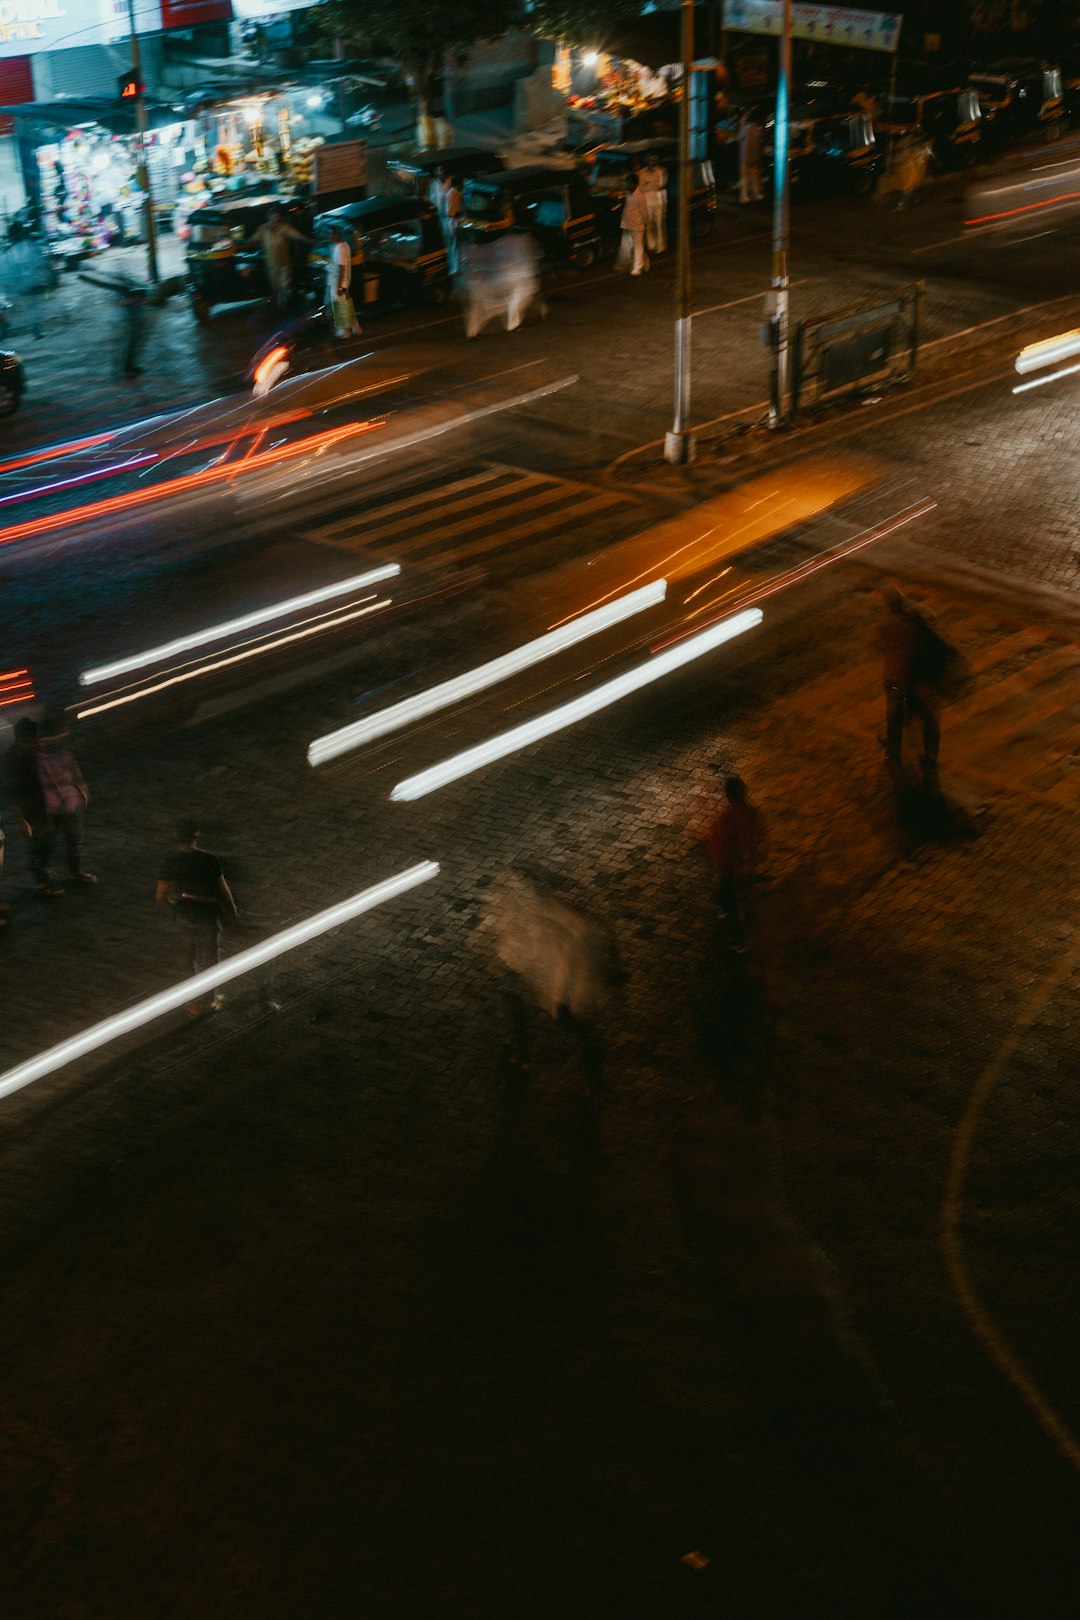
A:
(679, 448)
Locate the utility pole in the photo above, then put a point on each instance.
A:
(781, 280)
(144, 168)
(679, 444)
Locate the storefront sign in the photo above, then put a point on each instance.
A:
(254, 10)
(190, 13)
(341, 167)
(28, 27)
(824, 25)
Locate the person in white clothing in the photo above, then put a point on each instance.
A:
(749, 160)
(446, 195)
(653, 182)
(339, 281)
(635, 222)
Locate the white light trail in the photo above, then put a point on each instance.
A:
(544, 725)
(484, 675)
(1052, 376)
(143, 1012)
(1047, 353)
(168, 649)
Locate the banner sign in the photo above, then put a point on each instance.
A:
(824, 25)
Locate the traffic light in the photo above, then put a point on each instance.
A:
(130, 86)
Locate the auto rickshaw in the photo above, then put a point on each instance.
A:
(552, 204)
(606, 167)
(398, 253)
(411, 177)
(1020, 97)
(950, 121)
(834, 153)
(223, 263)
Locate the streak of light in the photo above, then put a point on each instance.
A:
(184, 484)
(79, 478)
(1048, 352)
(1033, 185)
(12, 674)
(1025, 208)
(545, 725)
(267, 364)
(795, 576)
(1051, 376)
(193, 989)
(225, 663)
(277, 610)
(484, 675)
(709, 582)
(69, 447)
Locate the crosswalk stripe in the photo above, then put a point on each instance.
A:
(520, 506)
(439, 493)
(472, 507)
(523, 530)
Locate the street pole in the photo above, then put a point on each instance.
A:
(781, 281)
(144, 168)
(679, 443)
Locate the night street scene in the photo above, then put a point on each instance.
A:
(539, 695)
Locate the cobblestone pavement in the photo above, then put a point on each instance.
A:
(306, 1313)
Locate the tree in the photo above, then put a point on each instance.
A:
(583, 22)
(420, 35)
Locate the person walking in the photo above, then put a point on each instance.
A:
(653, 179)
(449, 203)
(276, 238)
(635, 224)
(192, 881)
(339, 302)
(65, 793)
(735, 841)
(750, 160)
(26, 270)
(919, 668)
(22, 782)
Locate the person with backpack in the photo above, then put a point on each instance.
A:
(919, 669)
(192, 881)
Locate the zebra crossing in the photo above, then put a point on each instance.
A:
(483, 512)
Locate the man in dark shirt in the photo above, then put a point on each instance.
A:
(192, 882)
(24, 787)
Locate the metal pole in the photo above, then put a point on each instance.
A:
(144, 170)
(679, 443)
(778, 404)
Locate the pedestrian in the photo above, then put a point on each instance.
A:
(736, 841)
(276, 237)
(653, 179)
(919, 670)
(23, 786)
(65, 795)
(4, 907)
(26, 271)
(635, 224)
(447, 197)
(191, 880)
(749, 159)
(339, 304)
(519, 260)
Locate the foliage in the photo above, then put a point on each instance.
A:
(419, 34)
(583, 22)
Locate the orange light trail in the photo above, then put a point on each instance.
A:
(177, 486)
(71, 448)
(1026, 208)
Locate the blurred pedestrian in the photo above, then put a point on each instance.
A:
(65, 794)
(919, 669)
(446, 195)
(4, 907)
(635, 224)
(736, 842)
(653, 180)
(192, 881)
(339, 304)
(559, 960)
(27, 273)
(519, 261)
(749, 159)
(275, 238)
(22, 782)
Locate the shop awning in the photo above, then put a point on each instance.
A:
(118, 117)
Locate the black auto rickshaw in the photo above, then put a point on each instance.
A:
(1019, 97)
(834, 153)
(223, 262)
(606, 167)
(398, 253)
(552, 205)
(411, 177)
(949, 121)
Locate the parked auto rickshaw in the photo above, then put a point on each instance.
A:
(223, 263)
(950, 121)
(832, 153)
(411, 177)
(1019, 97)
(606, 167)
(398, 253)
(553, 205)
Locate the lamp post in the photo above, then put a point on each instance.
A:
(779, 294)
(679, 443)
(144, 169)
